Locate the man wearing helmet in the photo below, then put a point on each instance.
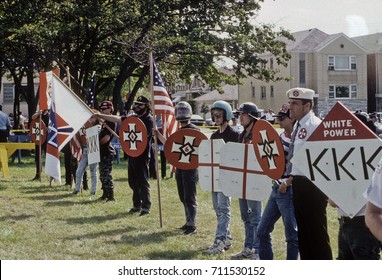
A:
(221, 113)
(250, 210)
(186, 180)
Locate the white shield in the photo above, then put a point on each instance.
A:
(240, 173)
(93, 145)
(209, 156)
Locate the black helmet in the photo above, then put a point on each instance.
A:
(249, 108)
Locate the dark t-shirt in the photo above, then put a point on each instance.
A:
(106, 149)
(228, 135)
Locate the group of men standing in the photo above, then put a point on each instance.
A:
(294, 197)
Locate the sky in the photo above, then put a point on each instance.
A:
(351, 17)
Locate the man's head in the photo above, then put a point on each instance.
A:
(300, 102)
(248, 113)
(284, 118)
(106, 107)
(141, 105)
(221, 112)
(183, 112)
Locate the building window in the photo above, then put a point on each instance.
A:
(8, 93)
(342, 91)
(342, 62)
(253, 92)
(271, 63)
(272, 91)
(302, 69)
(263, 92)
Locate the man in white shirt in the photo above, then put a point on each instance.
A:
(309, 202)
(374, 206)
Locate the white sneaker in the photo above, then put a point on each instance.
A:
(245, 254)
(216, 248)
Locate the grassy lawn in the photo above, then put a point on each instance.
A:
(42, 222)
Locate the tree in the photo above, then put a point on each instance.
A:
(114, 38)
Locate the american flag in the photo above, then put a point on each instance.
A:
(91, 95)
(163, 104)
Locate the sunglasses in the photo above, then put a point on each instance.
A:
(139, 105)
(218, 116)
(282, 118)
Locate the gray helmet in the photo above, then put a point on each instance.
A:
(249, 108)
(183, 111)
(224, 106)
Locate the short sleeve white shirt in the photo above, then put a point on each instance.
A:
(306, 127)
(374, 192)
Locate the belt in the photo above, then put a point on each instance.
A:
(344, 219)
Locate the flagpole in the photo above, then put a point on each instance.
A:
(155, 136)
(39, 148)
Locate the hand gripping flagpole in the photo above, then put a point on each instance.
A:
(155, 136)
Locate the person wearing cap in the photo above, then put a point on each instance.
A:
(5, 125)
(250, 210)
(309, 201)
(221, 113)
(138, 167)
(107, 151)
(280, 202)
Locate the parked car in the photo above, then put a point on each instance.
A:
(197, 120)
(209, 122)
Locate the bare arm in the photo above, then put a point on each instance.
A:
(160, 136)
(110, 118)
(373, 220)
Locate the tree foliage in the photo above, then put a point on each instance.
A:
(114, 38)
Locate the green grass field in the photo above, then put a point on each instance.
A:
(38, 221)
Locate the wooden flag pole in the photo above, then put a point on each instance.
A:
(155, 136)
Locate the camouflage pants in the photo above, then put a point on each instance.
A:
(105, 168)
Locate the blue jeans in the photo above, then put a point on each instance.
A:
(222, 207)
(81, 170)
(250, 211)
(279, 205)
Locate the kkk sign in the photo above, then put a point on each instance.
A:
(93, 145)
(37, 131)
(181, 148)
(240, 173)
(340, 157)
(268, 149)
(133, 136)
(209, 156)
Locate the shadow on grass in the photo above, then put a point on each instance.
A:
(15, 218)
(106, 233)
(145, 238)
(42, 189)
(95, 219)
(173, 255)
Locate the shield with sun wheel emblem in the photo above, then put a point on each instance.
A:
(182, 148)
(133, 136)
(38, 131)
(268, 149)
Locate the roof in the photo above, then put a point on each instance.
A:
(230, 92)
(372, 43)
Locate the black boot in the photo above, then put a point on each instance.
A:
(110, 197)
(104, 194)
